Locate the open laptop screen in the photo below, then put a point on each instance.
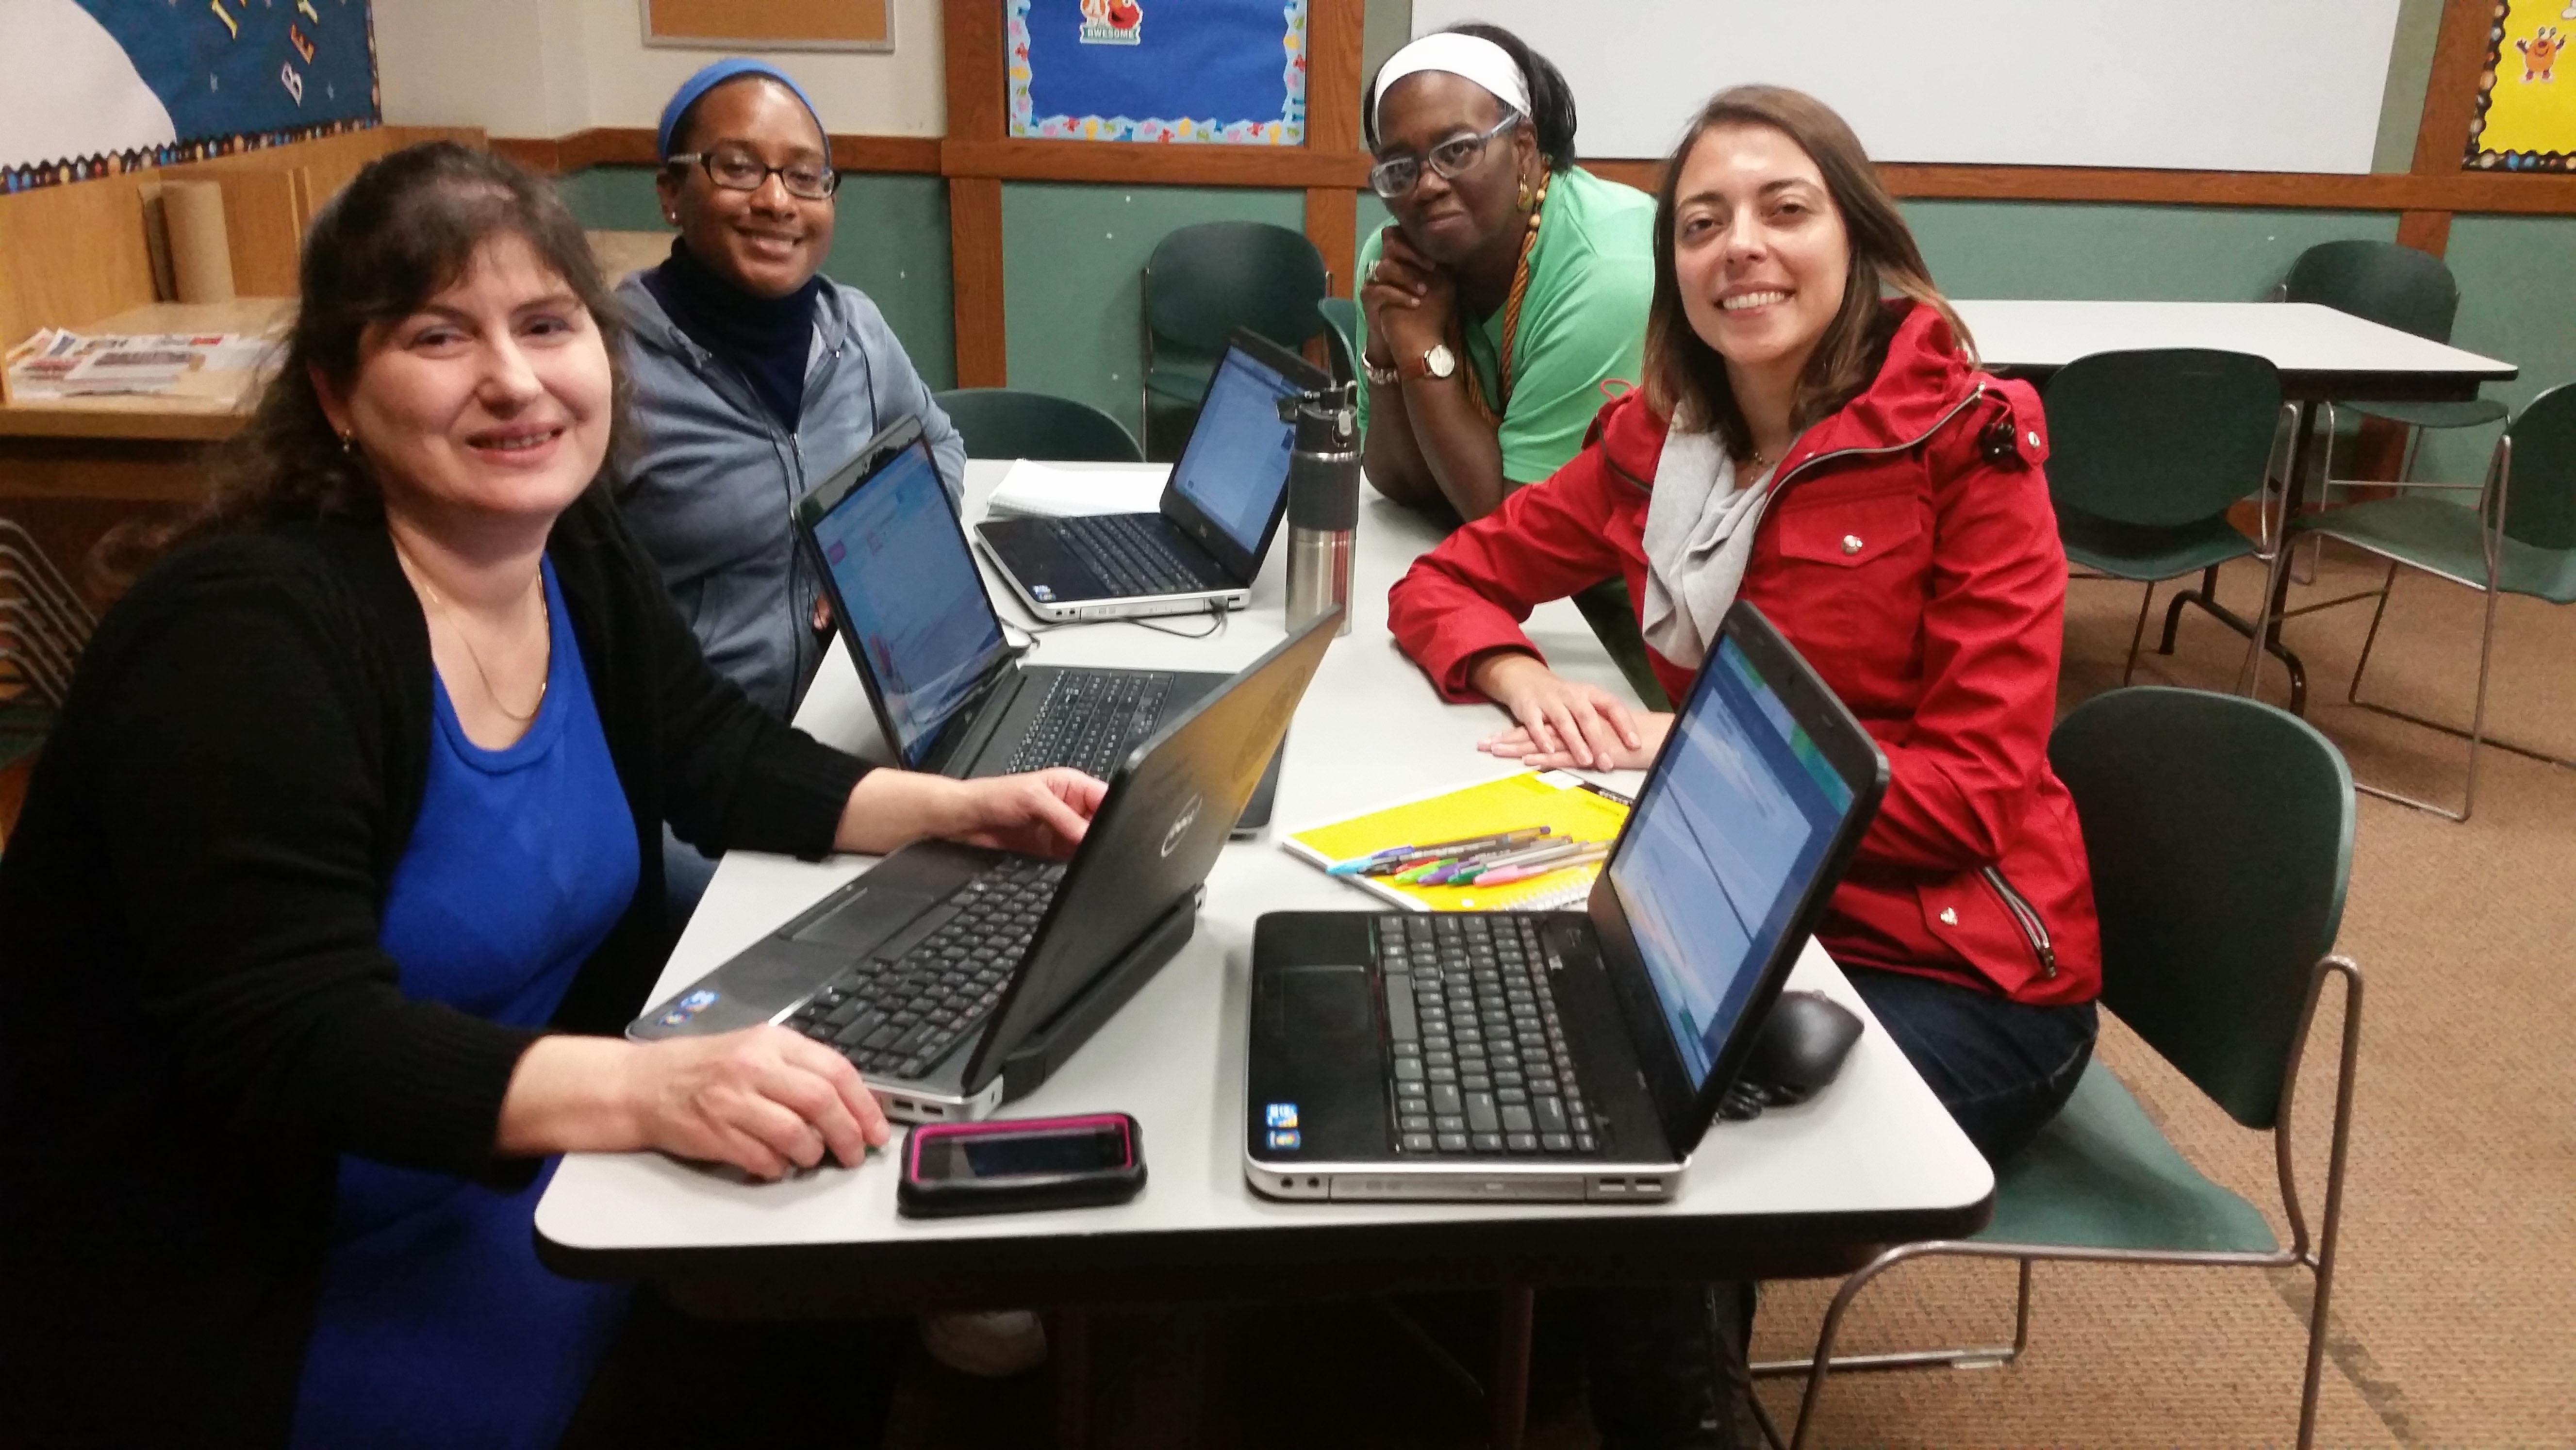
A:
(1721, 850)
(1236, 463)
(916, 602)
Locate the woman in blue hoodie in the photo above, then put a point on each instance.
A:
(754, 378)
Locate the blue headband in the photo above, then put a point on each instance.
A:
(731, 68)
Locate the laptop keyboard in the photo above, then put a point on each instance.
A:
(1129, 554)
(897, 1017)
(1479, 1062)
(1090, 721)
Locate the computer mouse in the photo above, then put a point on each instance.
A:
(1802, 1047)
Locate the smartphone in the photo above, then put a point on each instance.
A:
(1014, 1165)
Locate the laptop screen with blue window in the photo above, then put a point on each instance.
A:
(1236, 463)
(1722, 847)
(915, 599)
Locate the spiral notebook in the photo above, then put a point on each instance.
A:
(1571, 806)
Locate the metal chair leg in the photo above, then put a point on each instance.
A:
(2146, 602)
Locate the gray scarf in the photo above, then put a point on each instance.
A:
(1699, 533)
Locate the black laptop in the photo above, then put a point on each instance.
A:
(956, 977)
(1569, 1055)
(950, 694)
(1202, 547)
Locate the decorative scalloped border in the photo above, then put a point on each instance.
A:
(2480, 159)
(1288, 130)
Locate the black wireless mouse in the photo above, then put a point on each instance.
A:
(1802, 1047)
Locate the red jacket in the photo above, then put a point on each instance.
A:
(1911, 554)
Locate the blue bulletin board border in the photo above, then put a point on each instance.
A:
(1288, 128)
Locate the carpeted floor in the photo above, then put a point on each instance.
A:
(2452, 1313)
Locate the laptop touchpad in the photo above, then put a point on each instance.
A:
(870, 915)
(1325, 1002)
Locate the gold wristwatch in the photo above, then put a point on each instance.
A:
(1437, 361)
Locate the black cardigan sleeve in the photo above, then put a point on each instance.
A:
(737, 776)
(237, 767)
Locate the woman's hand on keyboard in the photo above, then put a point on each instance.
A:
(764, 1099)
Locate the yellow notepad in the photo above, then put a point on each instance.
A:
(1575, 808)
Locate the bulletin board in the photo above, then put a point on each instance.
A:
(2526, 118)
(769, 24)
(1223, 72)
(91, 87)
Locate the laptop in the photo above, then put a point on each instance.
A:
(1201, 550)
(958, 978)
(950, 694)
(1569, 1055)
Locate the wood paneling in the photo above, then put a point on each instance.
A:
(2425, 231)
(1147, 163)
(1332, 217)
(973, 36)
(1333, 40)
(975, 266)
(2451, 94)
(72, 254)
(264, 222)
(2397, 191)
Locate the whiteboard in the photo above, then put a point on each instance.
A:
(2201, 85)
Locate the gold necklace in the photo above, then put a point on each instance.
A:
(493, 695)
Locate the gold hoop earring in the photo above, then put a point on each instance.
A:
(1527, 196)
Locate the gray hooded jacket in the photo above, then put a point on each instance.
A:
(707, 480)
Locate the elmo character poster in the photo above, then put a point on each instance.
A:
(1224, 72)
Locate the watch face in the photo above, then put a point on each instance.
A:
(1440, 361)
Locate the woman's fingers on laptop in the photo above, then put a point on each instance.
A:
(1042, 813)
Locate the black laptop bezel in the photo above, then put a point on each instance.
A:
(1011, 1020)
(1684, 1113)
(875, 457)
(1193, 521)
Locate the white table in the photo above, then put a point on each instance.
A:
(1807, 1190)
(2321, 353)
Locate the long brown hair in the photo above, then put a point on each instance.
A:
(1686, 378)
(406, 229)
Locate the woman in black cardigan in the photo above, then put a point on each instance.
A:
(341, 872)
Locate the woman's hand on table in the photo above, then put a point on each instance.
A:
(1041, 813)
(1561, 724)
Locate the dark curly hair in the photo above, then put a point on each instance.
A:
(1551, 112)
(401, 233)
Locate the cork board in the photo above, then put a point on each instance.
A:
(770, 24)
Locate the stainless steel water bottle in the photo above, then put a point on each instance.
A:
(1323, 502)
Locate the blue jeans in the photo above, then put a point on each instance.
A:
(2002, 1068)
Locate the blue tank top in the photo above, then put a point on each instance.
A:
(437, 1326)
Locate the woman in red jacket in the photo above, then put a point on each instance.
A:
(1839, 460)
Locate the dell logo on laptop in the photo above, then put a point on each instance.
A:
(1181, 824)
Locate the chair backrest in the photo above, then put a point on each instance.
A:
(1010, 423)
(2220, 835)
(2391, 285)
(1342, 334)
(2540, 498)
(1204, 281)
(2160, 436)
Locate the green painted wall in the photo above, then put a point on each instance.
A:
(2081, 250)
(2515, 305)
(889, 240)
(1072, 254)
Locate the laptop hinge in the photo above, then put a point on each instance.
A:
(1038, 1056)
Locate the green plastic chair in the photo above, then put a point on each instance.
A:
(2519, 539)
(2397, 287)
(1011, 423)
(2148, 450)
(1201, 283)
(1342, 333)
(2220, 834)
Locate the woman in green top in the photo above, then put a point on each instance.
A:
(1513, 285)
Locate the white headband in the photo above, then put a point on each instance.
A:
(1476, 58)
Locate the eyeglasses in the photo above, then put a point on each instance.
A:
(737, 170)
(1396, 175)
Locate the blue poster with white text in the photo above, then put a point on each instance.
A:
(1229, 72)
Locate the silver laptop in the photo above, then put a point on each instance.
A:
(1569, 1055)
(958, 978)
(1202, 547)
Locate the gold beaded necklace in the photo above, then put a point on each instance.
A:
(421, 577)
(1492, 413)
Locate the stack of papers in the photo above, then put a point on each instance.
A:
(1049, 490)
(59, 364)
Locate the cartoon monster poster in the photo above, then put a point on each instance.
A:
(93, 86)
(2527, 95)
(1231, 72)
